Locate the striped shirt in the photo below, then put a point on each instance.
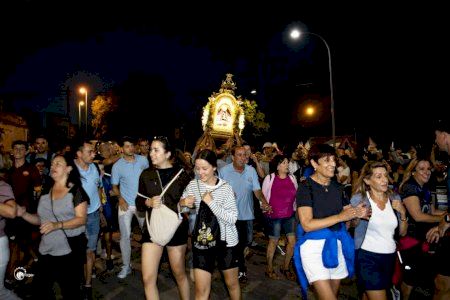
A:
(223, 206)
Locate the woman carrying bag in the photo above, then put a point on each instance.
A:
(215, 236)
(61, 215)
(152, 182)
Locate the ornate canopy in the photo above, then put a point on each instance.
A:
(223, 116)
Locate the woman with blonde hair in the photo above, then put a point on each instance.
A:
(374, 237)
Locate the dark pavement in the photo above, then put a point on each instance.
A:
(108, 286)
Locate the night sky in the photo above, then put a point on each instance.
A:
(384, 59)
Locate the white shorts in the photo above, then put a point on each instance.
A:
(311, 254)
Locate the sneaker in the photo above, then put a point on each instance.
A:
(242, 277)
(109, 264)
(126, 270)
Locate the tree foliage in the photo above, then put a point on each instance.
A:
(101, 107)
(254, 119)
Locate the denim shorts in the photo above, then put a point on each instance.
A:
(92, 229)
(274, 226)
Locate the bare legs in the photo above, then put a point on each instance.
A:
(289, 251)
(273, 242)
(151, 255)
(203, 284)
(327, 289)
(90, 260)
(442, 287)
(177, 258)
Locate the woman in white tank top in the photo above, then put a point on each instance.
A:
(374, 237)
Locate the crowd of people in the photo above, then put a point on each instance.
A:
(378, 216)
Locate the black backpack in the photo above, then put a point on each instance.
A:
(206, 233)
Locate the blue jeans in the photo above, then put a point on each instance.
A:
(92, 230)
(276, 226)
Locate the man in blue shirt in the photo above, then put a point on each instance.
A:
(244, 181)
(92, 184)
(125, 173)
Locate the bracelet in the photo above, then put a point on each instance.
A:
(404, 220)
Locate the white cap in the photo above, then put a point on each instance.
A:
(267, 145)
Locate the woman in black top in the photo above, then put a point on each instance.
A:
(422, 224)
(322, 210)
(151, 183)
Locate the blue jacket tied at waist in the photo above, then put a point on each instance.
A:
(329, 252)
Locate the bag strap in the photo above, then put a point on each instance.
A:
(164, 190)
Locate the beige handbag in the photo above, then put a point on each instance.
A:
(164, 222)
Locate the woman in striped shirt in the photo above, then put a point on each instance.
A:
(219, 197)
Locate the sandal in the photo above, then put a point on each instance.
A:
(288, 274)
(271, 274)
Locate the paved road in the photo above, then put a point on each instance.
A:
(108, 286)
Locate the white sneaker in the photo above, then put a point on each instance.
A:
(126, 270)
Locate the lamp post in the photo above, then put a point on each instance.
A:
(295, 34)
(84, 91)
(80, 104)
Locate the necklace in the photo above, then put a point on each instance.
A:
(324, 186)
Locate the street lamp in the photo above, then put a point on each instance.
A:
(84, 91)
(310, 111)
(80, 104)
(296, 34)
